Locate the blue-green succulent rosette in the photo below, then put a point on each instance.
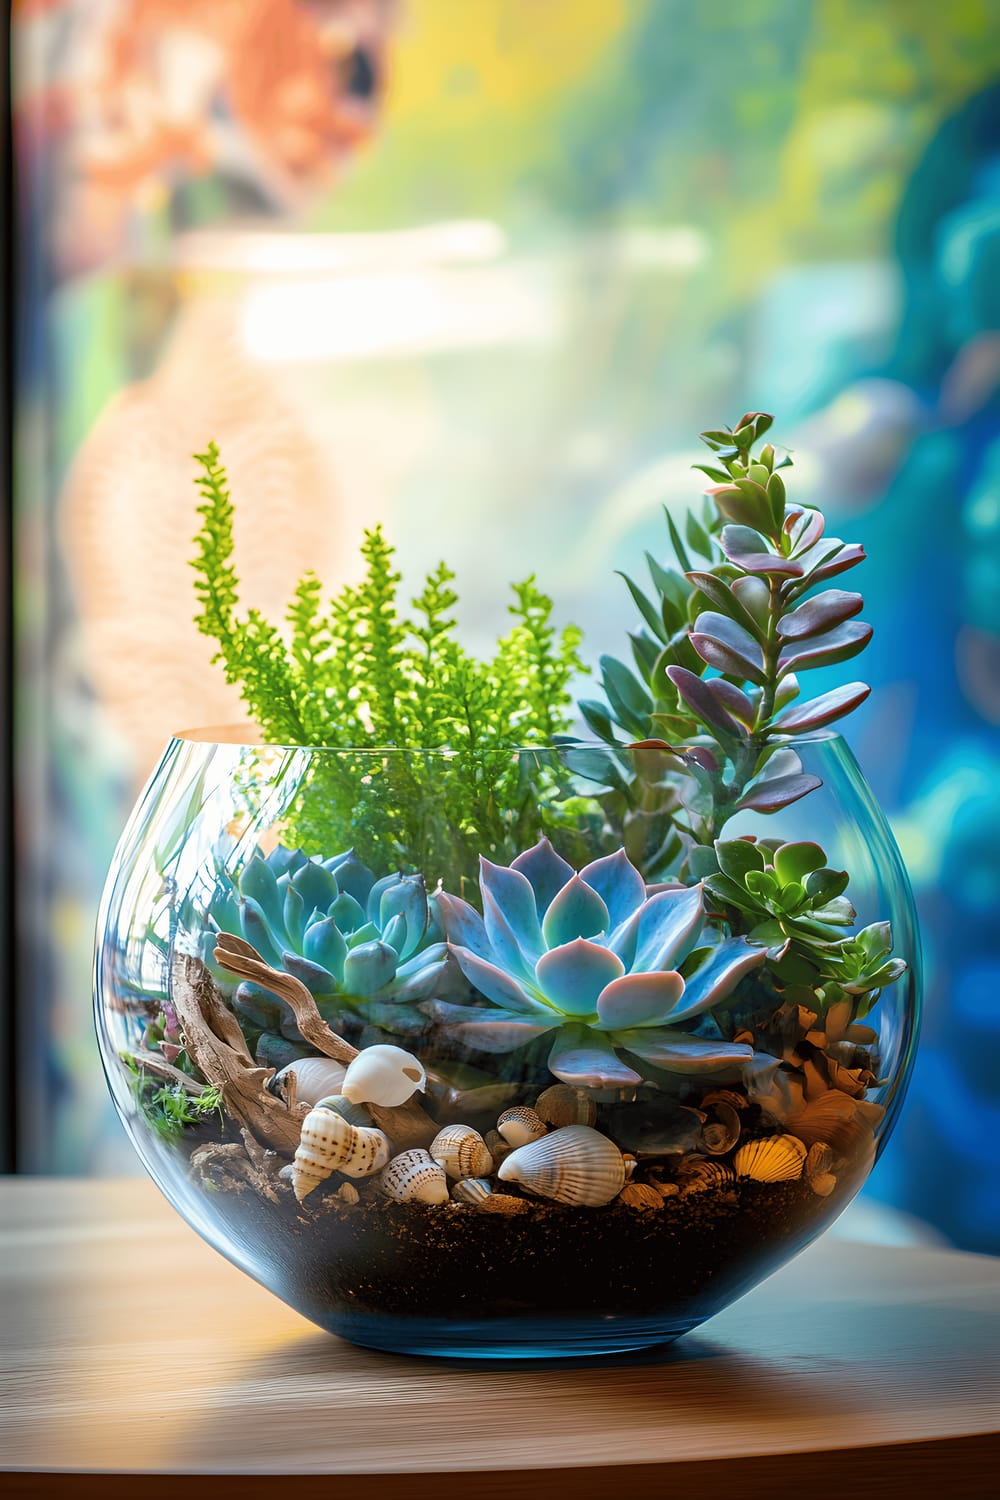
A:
(360, 944)
(606, 963)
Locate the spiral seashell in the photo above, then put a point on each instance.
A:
(724, 1096)
(383, 1075)
(699, 1174)
(461, 1151)
(315, 1078)
(641, 1196)
(776, 1158)
(520, 1125)
(574, 1165)
(562, 1105)
(721, 1134)
(471, 1190)
(414, 1176)
(354, 1114)
(329, 1144)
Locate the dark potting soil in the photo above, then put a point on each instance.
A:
(342, 1264)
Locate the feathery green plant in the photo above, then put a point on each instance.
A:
(357, 675)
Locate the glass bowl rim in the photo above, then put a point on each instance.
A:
(247, 737)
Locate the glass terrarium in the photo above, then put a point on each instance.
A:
(563, 1087)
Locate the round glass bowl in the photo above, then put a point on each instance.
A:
(551, 1103)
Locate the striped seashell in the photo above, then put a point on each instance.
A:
(699, 1174)
(775, 1158)
(520, 1125)
(329, 1144)
(641, 1196)
(845, 1124)
(383, 1075)
(563, 1105)
(315, 1078)
(471, 1190)
(414, 1176)
(575, 1165)
(461, 1151)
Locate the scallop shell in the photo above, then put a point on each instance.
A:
(461, 1151)
(414, 1176)
(471, 1190)
(383, 1075)
(520, 1125)
(776, 1158)
(329, 1144)
(563, 1105)
(642, 1196)
(315, 1078)
(838, 1119)
(574, 1165)
(699, 1174)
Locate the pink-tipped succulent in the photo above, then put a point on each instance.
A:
(596, 957)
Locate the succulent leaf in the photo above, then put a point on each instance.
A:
(819, 614)
(577, 911)
(818, 712)
(574, 976)
(837, 645)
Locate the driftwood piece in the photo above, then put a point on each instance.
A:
(407, 1125)
(152, 1062)
(230, 1168)
(217, 1047)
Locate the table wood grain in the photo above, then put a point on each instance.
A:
(136, 1362)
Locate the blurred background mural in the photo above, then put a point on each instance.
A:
(482, 269)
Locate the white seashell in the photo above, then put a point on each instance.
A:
(329, 1144)
(461, 1151)
(471, 1190)
(315, 1077)
(348, 1193)
(520, 1125)
(383, 1075)
(414, 1176)
(574, 1165)
(563, 1105)
(777, 1158)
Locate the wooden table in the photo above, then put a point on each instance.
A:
(131, 1349)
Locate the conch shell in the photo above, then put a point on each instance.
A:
(775, 1158)
(329, 1144)
(574, 1165)
(383, 1075)
(414, 1176)
(461, 1151)
(520, 1125)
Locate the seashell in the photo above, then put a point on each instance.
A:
(823, 1184)
(843, 1122)
(563, 1105)
(348, 1193)
(819, 1159)
(722, 1133)
(520, 1125)
(328, 1144)
(383, 1075)
(471, 1190)
(461, 1151)
(725, 1096)
(699, 1174)
(630, 1164)
(498, 1148)
(414, 1176)
(315, 1078)
(641, 1196)
(354, 1114)
(575, 1164)
(667, 1189)
(503, 1203)
(775, 1158)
